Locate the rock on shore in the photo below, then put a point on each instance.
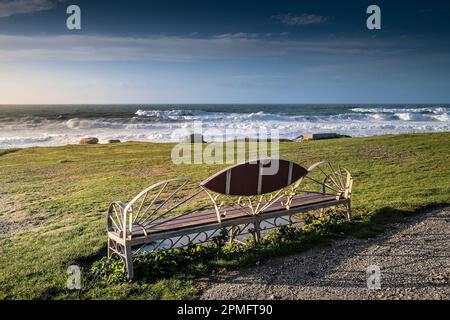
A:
(89, 140)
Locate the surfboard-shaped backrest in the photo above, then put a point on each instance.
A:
(255, 177)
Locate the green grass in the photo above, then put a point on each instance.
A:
(67, 190)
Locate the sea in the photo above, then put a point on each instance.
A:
(55, 125)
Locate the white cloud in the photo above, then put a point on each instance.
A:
(177, 48)
(237, 35)
(12, 7)
(299, 20)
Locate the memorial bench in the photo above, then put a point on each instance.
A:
(245, 199)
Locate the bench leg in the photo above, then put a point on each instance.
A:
(109, 248)
(349, 210)
(124, 252)
(232, 235)
(257, 230)
(128, 261)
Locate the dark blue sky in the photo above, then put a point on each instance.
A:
(224, 52)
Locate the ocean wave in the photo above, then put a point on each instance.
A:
(357, 114)
(211, 116)
(435, 110)
(405, 114)
(24, 140)
(92, 124)
(31, 140)
(175, 115)
(442, 117)
(410, 116)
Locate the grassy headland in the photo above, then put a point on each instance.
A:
(57, 197)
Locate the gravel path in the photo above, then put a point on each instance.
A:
(413, 257)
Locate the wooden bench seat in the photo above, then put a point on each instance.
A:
(202, 218)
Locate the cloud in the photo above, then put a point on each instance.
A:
(237, 35)
(12, 7)
(184, 48)
(299, 20)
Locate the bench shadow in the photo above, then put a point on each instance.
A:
(343, 264)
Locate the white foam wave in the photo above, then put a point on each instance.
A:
(401, 110)
(91, 124)
(442, 117)
(405, 114)
(175, 115)
(410, 116)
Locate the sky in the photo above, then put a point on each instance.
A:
(216, 51)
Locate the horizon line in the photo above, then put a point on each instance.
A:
(218, 103)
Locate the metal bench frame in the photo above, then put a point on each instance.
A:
(123, 219)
